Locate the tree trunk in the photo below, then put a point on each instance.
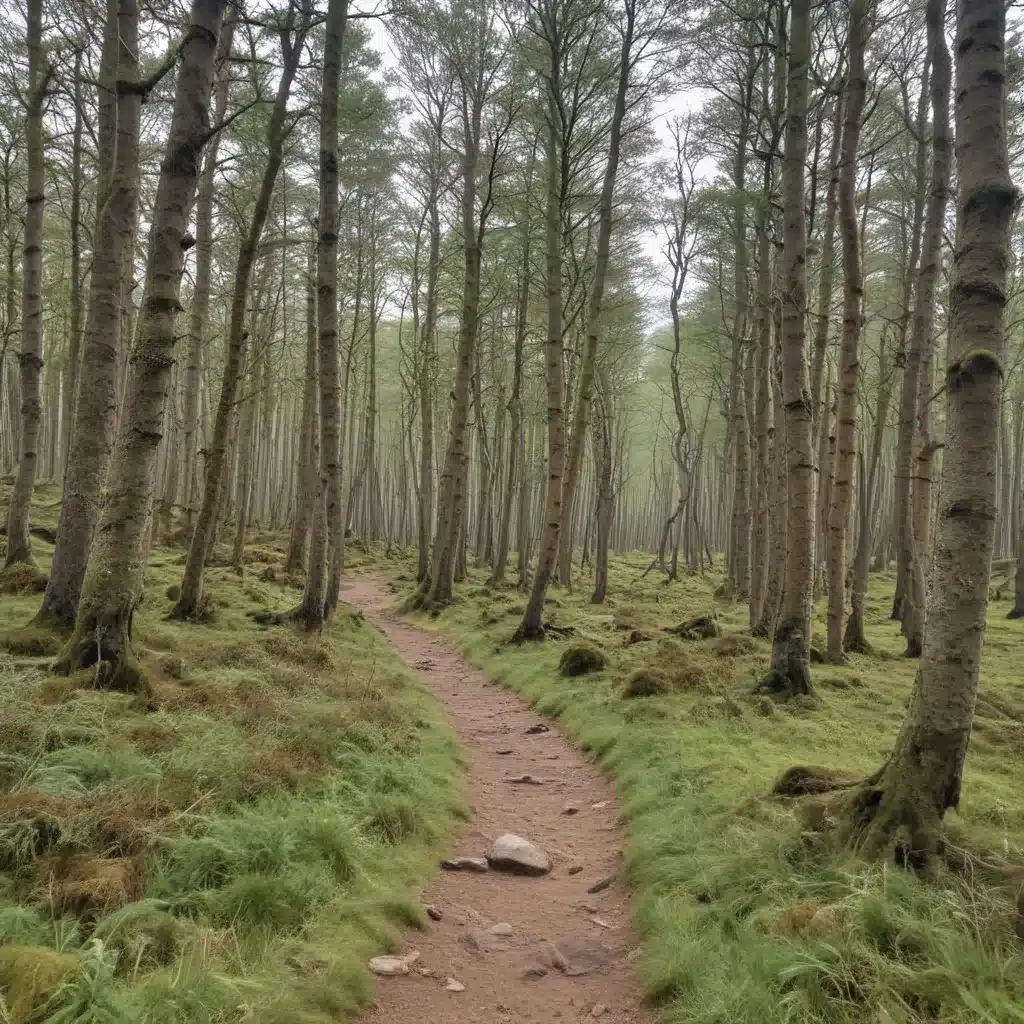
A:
(849, 347)
(190, 602)
(30, 361)
(578, 433)
(200, 312)
(305, 500)
(426, 389)
(92, 439)
(790, 666)
(323, 576)
(532, 627)
(605, 497)
(923, 332)
(113, 581)
(901, 807)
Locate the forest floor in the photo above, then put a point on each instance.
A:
(746, 908)
(514, 948)
(234, 847)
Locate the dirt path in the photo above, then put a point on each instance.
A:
(562, 954)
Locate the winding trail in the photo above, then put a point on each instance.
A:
(568, 954)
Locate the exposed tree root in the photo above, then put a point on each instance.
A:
(109, 654)
(521, 635)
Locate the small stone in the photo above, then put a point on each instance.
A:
(452, 985)
(575, 869)
(502, 929)
(533, 973)
(588, 907)
(570, 809)
(465, 864)
(536, 730)
(434, 913)
(423, 972)
(507, 750)
(520, 856)
(525, 780)
(599, 1010)
(600, 922)
(600, 805)
(392, 966)
(601, 884)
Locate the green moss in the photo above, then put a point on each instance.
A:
(30, 978)
(579, 659)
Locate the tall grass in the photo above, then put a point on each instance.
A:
(234, 847)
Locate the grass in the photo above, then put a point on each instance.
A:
(747, 909)
(236, 846)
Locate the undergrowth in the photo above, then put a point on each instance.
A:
(748, 910)
(234, 847)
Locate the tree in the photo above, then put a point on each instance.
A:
(113, 579)
(95, 419)
(30, 361)
(791, 643)
(902, 805)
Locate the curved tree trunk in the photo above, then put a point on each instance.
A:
(113, 580)
(92, 439)
(901, 807)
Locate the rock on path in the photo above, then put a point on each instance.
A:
(516, 945)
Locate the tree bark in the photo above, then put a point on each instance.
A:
(532, 627)
(923, 332)
(305, 498)
(901, 807)
(200, 312)
(113, 581)
(849, 347)
(30, 361)
(790, 666)
(190, 602)
(92, 438)
(323, 577)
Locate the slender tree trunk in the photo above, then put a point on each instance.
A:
(923, 331)
(849, 347)
(92, 439)
(531, 627)
(790, 667)
(901, 807)
(578, 433)
(323, 576)
(113, 581)
(190, 601)
(200, 312)
(30, 361)
(605, 497)
(310, 448)
(426, 390)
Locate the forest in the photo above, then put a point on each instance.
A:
(589, 431)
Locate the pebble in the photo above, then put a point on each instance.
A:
(601, 884)
(600, 806)
(502, 929)
(434, 913)
(525, 780)
(575, 869)
(588, 907)
(465, 864)
(507, 750)
(599, 1010)
(600, 922)
(570, 809)
(452, 985)
(535, 730)
(533, 973)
